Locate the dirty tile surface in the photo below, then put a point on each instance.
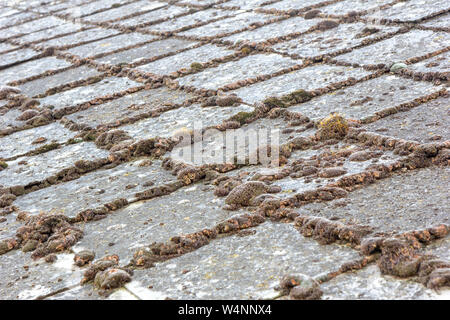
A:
(215, 147)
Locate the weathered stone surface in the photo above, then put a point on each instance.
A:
(189, 20)
(248, 67)
(128, 106)
(109, 44)
(55, 31)
(414, 43)
(24, 141)
(439, 63)
(420, 202)
(25, 279)
(96, 188)
(79, 95)
(185, 59)
(32, 26)
(15, 19)
(211, 149)
(153, 49)
(90, 8)
(426, 123)
(347, 6)
(40, 86)
(25, 170)
(309, 78)
(17, 56)
(438, 22)
(187, 210)
(123, 11)
(411, 11)
(54, 7)
(285, 5)
(369, 284)
(440, 249)
(6, 47)
(342, 37)
(366, 98)
(32, 68)
(247, 267)
(228, 25)
(9, 119)
(156, 15)
(249, 4)
(79, 37)
(275, 30)
(180, 119)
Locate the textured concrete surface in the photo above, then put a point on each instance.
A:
(95, 95)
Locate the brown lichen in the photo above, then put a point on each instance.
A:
(111, 278)
(244, 193)
(6, 200)
(326, 231)
(102, 264)
(327, 25)
(300, 287)
(83, 257)
(53, 232)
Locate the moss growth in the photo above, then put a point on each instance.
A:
(274, 102)
(46, 148)
(3, 164)
(90, 136)
(332, 127)
(242, 117)
(246, 50)
(290, 99)
(115, 5)
(297, 96)
(197, 66)
(74, 140)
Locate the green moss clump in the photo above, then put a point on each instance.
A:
(290, 99)
(115, 5)
(297, 96)
(274, 102)
(197, 66)
(74, 140)
(242, 117)
(46, 148)
(3, 164)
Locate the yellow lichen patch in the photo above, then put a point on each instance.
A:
(334, 126)
(196, 66)
(3, 164)
(246, 50)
